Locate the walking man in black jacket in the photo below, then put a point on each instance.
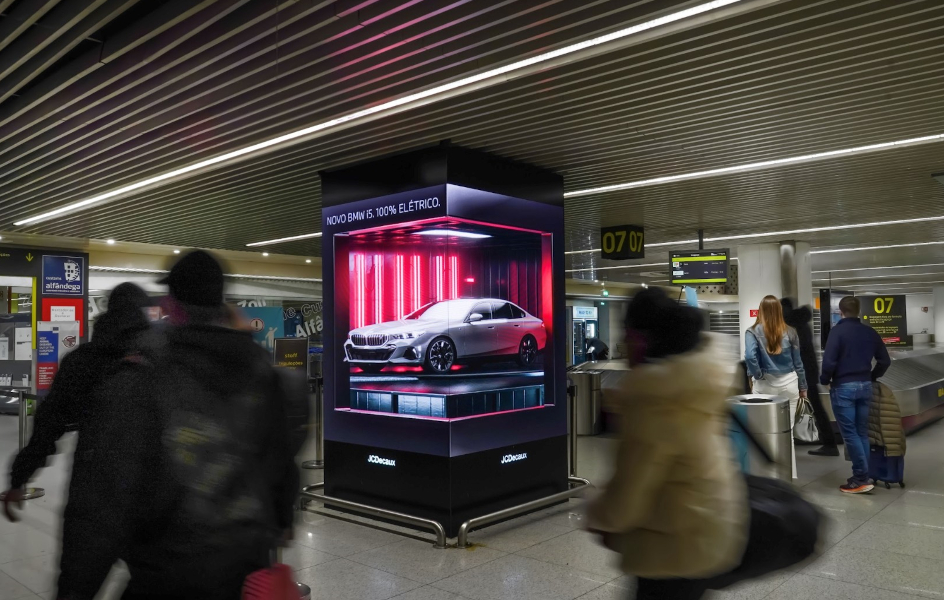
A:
(200, 471)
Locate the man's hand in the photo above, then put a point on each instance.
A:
(12, 496)
(802, 393)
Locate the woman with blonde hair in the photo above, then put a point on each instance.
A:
(772, 355)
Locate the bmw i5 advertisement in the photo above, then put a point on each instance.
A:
(446, 318)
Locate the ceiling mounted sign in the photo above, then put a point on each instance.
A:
(623, 242)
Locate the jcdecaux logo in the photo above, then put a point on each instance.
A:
(387, 462)
(510, 458)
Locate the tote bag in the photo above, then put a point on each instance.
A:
(804, 428)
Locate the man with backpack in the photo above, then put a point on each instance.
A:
(201, 480)
(847, 369)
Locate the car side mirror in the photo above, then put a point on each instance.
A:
(475, 317)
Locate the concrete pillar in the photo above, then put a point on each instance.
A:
(758, 275)
(939, 314)
(782, 269)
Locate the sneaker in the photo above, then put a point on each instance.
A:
(856, 488)
(825, 451)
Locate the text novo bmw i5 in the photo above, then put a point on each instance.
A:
(440, 334)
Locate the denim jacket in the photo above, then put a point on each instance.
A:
(760, 362)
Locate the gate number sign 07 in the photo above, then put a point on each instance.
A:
(623, 242)
(883, 305)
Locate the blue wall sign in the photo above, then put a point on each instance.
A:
(62, 276)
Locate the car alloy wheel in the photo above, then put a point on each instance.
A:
(440, 355)
(527, 350)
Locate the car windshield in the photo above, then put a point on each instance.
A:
(442, 310)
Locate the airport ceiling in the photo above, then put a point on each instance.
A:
(98, 94)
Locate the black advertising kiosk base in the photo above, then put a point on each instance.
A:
(448, 490)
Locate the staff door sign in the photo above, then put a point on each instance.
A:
(623, 242)
(62, 275)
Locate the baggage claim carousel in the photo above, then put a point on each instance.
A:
(916, 376)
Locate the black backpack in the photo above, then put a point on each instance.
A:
(784, 529)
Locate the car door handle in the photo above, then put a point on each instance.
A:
(491, 327)
(516, 325)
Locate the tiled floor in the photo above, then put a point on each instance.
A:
(888, 545)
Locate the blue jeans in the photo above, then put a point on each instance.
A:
(851, 406)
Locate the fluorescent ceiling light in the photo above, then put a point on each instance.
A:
(390, 105)
(878, 276)
(453, 233)
(892, 285)
(887, 267)
(745, 236)
(661, 264)
(286, 239)
(233, 275)
(927, 139)
(832, 251)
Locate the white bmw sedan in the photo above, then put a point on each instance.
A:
(440, 334)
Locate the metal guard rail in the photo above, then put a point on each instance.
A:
(435, 526)
(513, 511)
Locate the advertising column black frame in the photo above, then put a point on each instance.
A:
(445, 383)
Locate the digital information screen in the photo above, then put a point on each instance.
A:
(698, 267)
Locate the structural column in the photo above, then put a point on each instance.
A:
(938, 314)
(781, 269)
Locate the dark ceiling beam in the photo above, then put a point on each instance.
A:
(142, 93)
(251, 83)
(150, 26)
(218, 24)
(308, 65)
(21, 19)
(173, 111)
(55, 25)
(77, 20)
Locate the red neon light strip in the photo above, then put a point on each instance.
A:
(439, 278)
(378, 288)
(398, 299)
(417, 285)
(453, 277)
(359, 284)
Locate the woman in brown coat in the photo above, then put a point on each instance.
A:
(676, 507)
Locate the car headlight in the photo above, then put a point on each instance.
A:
(407, 336)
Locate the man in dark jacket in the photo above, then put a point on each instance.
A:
(847, 369)
(800, 319)
(74, 402)
(200, 470)
(67, 406)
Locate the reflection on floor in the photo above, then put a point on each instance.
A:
(888, 545)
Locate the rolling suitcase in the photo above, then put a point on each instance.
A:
(884, 468)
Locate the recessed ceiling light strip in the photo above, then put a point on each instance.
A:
(886, 267)
(293, 238)
(232, 275)
(745, 236)
(497, 75)
(878, 276)
(661, 264)
(766, 164)
(834, 250)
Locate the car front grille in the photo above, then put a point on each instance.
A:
(359, 354)
(374, 339)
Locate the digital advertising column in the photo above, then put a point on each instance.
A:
(445, 388)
